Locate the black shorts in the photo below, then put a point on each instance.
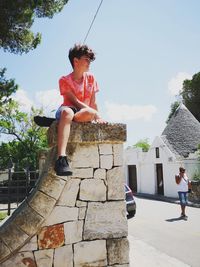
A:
(59, 111)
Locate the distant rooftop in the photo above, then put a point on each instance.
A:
(182, 133)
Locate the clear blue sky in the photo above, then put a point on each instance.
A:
(145, 49)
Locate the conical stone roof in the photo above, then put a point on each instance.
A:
(182, 133)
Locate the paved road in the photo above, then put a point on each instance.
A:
(159, 238)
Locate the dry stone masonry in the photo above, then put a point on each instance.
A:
(76, 221)
(195, 196)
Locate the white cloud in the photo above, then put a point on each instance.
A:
(123, 112)
(176, 83)
(50, 100)
(22, 98)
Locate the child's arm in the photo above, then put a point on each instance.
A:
(66, 92)
(93, 105)
(76, 102)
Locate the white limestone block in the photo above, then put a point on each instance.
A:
(86, 156)
(82, 213)
(105, 220)
(90, 254)
(63, 256)
(73, 232)
(115, 183)
(69, 194)
(31, 245)
(83, 173)
(119, 265)
(118, 251)
(105, 149)
(61, 214)
(19, 259)
(80, 203)
(100, 174)
(44, 257)
(92, 190)
(118, 154)
(106, 161)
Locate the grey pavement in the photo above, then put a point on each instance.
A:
(143, 255)
(165, 199)
(157, 233)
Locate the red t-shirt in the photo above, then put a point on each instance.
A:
(83, 91)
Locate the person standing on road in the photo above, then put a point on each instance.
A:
(183, 184)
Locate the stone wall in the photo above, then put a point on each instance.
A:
(76, 221)
(195, 196)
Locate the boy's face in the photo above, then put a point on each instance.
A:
(82, 63)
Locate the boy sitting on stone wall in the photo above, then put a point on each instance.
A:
(79, 102)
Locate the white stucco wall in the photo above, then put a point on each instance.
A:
(147, 178)
(169, 163)
(133, 156)
(169, 172)
(146, 167)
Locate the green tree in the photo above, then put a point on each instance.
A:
(191, 95)
(7, 88)
(28, 138)
(174, 106)
(16, 20)
(198, 151)
(144, 144)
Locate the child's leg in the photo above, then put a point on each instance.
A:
(85, 115)
(65, 116)
(64, 124)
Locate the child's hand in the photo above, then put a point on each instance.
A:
(100, 120)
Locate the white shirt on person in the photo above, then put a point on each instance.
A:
(183, 185)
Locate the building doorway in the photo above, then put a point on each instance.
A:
(132, 177)
(159, 177)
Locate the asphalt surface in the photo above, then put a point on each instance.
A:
(158, 237)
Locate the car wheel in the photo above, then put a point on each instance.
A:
(131, 213)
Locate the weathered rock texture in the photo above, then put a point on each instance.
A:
(74, 221)
(195, 196)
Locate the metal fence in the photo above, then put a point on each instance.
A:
(15, 186)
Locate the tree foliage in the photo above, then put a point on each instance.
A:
(174, 106)
(144, 144)
(191, 95)
(28, 138)
(198, 151)
(7, 88)
(16, 19)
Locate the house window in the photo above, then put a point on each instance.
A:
(157, 152)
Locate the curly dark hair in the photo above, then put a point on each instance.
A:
(80, 50)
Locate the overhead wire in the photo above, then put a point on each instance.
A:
(92, 22)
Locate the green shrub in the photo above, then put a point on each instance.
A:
(3, 215)
(196, 176)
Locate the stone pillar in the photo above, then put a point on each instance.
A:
(42, 159)
(195, 196)
(79, 220)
